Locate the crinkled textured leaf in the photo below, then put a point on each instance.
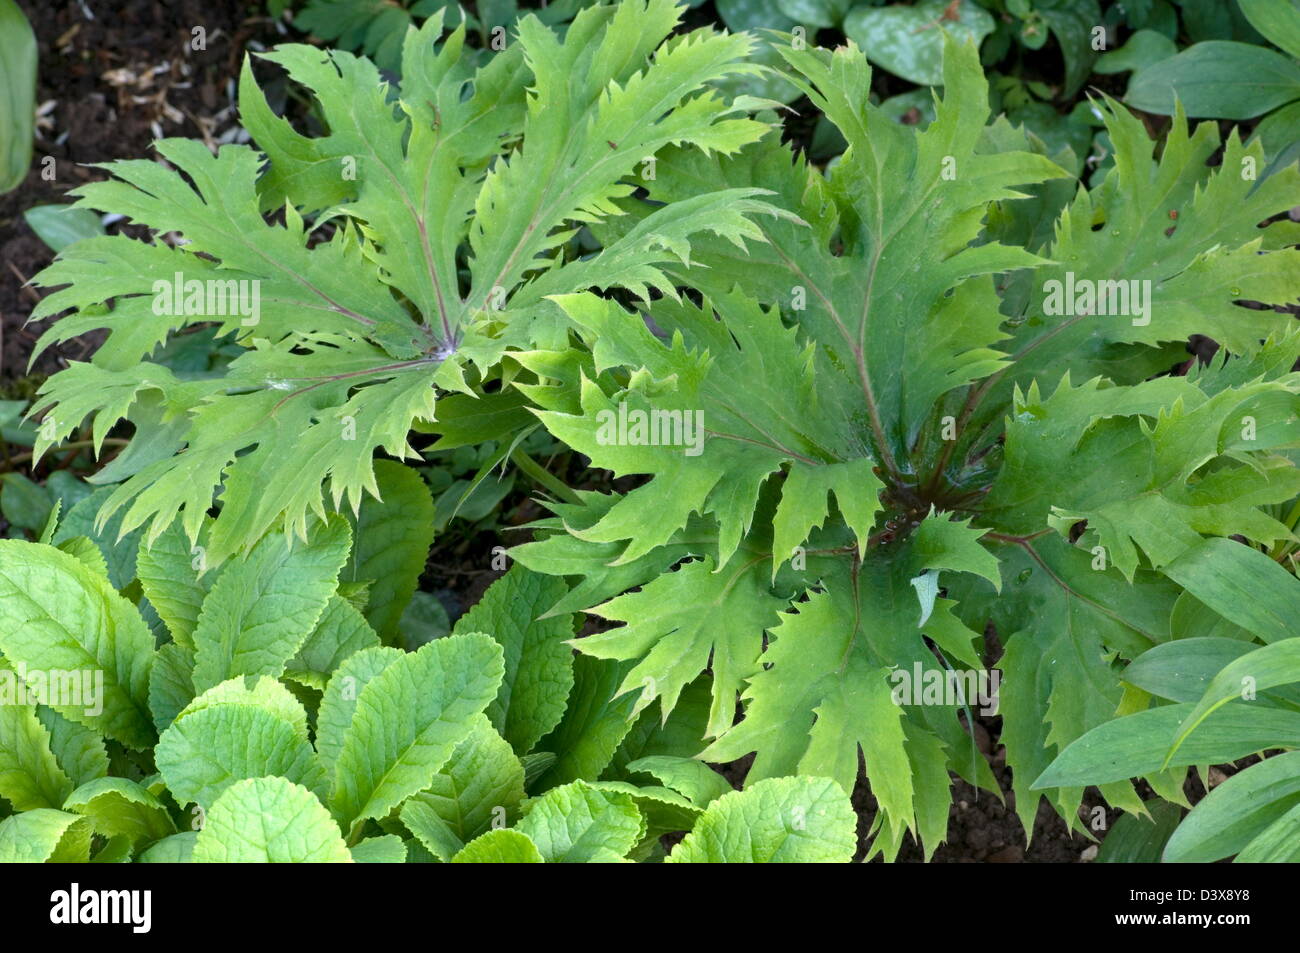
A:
(119, 807)
(778, 820)
(596, 721)
(480, 786)
(500, 847)
(80, 751)
(266, 604)
(409, 720)
(271, 821)
(577, 824)
(56, 615)
(391, 535)
(263, 692)
(202, 754)
(538, 660)
(45, 836)
(340, 633)
(388, 849)
(173, 583)
(171, 683)
(693, 779)
(176, 849)
(339, 702)
(30, 776)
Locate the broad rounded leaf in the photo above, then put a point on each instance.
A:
(270, 821)
(120, 807)
(908, 40)
(538, 659)
(45, 836)
(499, 847)
(577, 824)
(203, 754)
(779, 820)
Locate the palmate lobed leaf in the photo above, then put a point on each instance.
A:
(866, 334)
(797, 420)
(363, 315)
(877, 473)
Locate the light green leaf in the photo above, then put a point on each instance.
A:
(339, 702)
(119, 807)
(269, 821)
(577, 824)
(481, 786)
(171, 683)
(499, 847)
(263, 692)
(56, 615)
(409, 720)
(779, 820)
(202, 754)
(265, 605)
(30, 776)
(176, 849)
(80, 751)
(340, 633)
(693, 779)
(387, 849)
(538, 658)
(45, 836)
(595, 723)
(170, 576)
(683, 622)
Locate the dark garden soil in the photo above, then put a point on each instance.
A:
(116, 74)
(108, 86)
